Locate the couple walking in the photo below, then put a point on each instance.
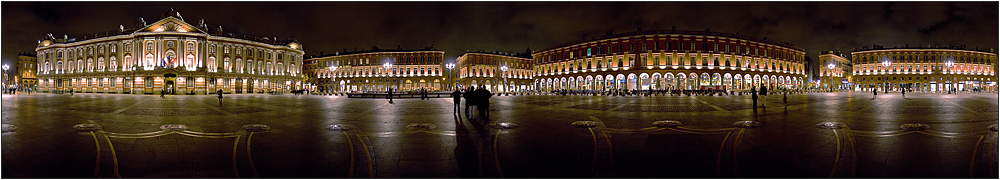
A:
(478, 98)
(763, 92)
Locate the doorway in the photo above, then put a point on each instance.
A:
(168, 83)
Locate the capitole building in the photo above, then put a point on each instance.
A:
(669, 60)
(171, 56)
(924, 69)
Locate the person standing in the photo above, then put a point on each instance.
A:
(470, 102)
(161, 93)
(483, 104)
(904, 93)
(753, 95)
(457, 95)
(784, 98)
(763, 96)
(219, 92)
(874, 93)
(390, 96)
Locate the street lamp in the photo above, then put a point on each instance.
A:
(333, 78)
(951, 84)
(387, 67)
(451, 82)
(885, 74)
(4, 84)
(830, 75)
(504, 74)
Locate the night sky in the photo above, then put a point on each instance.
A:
(514, 26)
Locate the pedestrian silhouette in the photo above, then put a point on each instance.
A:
(763, 93)
(457, 96)
(874, 93)
(390, 96)
(219, 92)
(483, 105)
(753, 95)
(470, 102)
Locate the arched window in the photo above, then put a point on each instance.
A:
(90, 65)
(225, 64)
(211, 64)
(100, 64)
(128, 63)
(59, 66)
(249, 66)
(149, 60)
(113, 64)
(239, 64)
(190, 61)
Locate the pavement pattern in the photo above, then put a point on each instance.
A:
(815, 135)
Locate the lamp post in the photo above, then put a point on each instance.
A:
(830, 66)
(450, 81)
(333, 78)
(5, 67)
(503, 69)
(885, 74)
(951, 84)
(387, 67)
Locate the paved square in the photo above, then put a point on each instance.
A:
(338, 137)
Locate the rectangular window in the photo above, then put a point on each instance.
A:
(190, 82)
(149, 82)
(111, 82)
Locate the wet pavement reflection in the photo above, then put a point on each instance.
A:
(818, 135)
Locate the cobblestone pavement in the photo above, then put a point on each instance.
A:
(288, 136)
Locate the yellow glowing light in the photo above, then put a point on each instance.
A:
(158, 29)
(181, 30)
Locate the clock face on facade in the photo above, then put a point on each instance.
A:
(170, 44)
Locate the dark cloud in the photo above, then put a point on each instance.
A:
(514, 26)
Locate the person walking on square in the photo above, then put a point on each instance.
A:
(219, 92)
(753, 95)
(457, 95)
(390, 96)
(483, 102)
(470, 102)
(874, 93)
(763, 96)
(904, 93)
(162, 92)
(784, 97)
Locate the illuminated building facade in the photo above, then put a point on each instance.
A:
(835, 71)
(924, 69)
(27, 66)
(499, 72)
(669, 60)
(373, 71)
(169, 55)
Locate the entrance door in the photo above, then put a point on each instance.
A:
(249, 87)
(169, 85)
(239, 86)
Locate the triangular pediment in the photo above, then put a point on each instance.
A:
(170, 24)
